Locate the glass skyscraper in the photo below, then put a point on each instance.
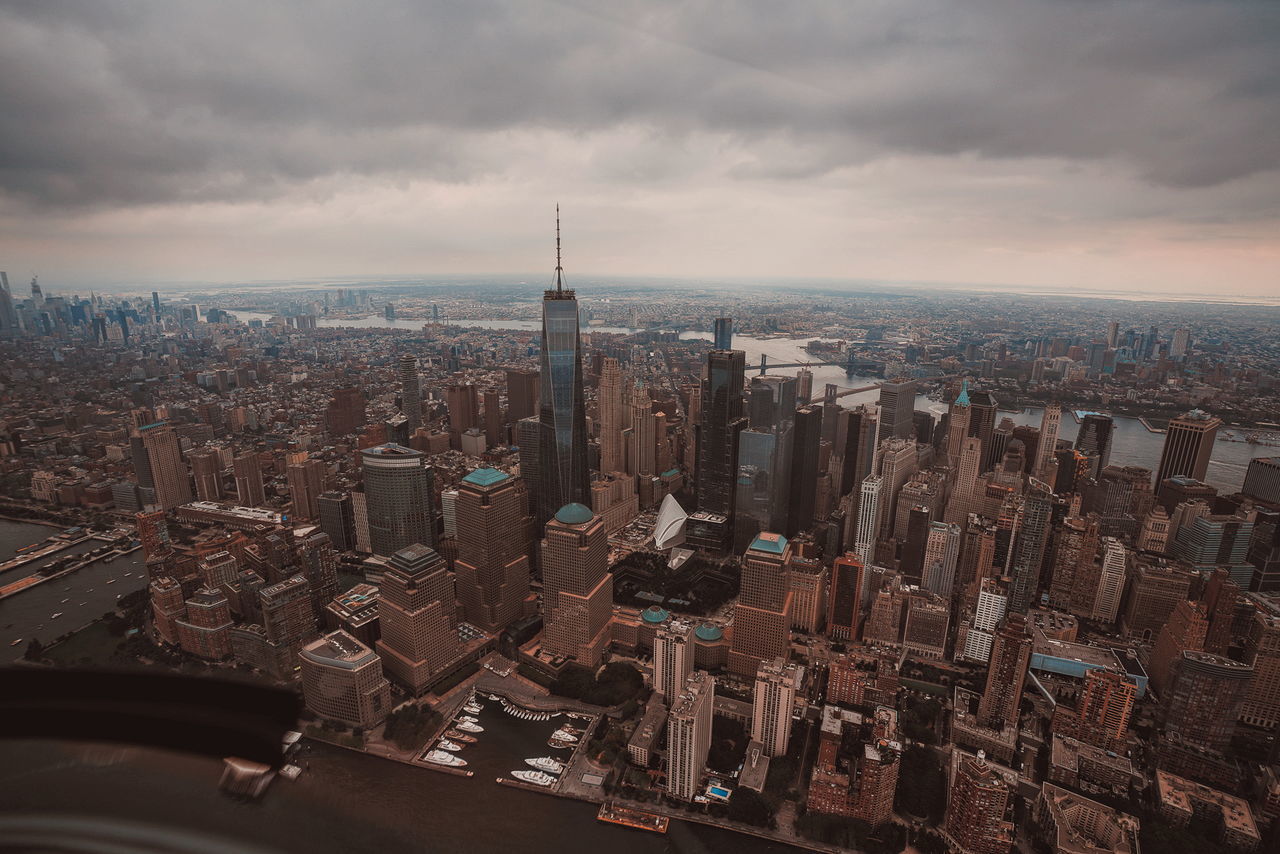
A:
(565, 478)
(398, 492)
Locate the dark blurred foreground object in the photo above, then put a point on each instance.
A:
(214, 717)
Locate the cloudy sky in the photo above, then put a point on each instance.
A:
(1126, 146)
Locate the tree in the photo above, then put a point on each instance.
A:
(409, 727)
(922, 784)
(750, 807)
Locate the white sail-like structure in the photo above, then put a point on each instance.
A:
(668, 531)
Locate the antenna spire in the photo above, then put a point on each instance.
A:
(559, 269)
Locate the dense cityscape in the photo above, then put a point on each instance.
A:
(964, 571)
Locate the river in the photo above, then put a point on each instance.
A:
(88, 595)
(343, 802)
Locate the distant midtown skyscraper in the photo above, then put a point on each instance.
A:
(418, 622)
(398, 491)
(1188, 446)
(577, 589)
(492, 565)
(562, 412)
(410, 393)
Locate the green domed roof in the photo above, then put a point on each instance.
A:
(708, 632)
(574, 514)
(654, 614)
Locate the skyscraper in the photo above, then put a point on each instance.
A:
(206, 470)
(342, 680)
(941, 552)
(418, 622)
(400, 500)
(337, 519)
(577, 589)
(762, 617)
(774, 700)
(1111, 580)
(1094, 439)
(1188, 446)
(672, 658)
(492, 565)
(522, 394)
(805, 446)
(998, 708)
(248, 474)
(306, 478)
(869, 518)
(844, 605)
(612, 414)
(164, 459)
(644, 443)
(410, 393)
(723, 337)
(1205, 699)
(958, 423)
(1045, 460)
(897, 408)
(565, 478)
(1030, 540)
(722, 425)
(689, 736)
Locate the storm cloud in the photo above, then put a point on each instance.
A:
(1071, 110)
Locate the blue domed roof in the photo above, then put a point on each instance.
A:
(654, 614)
(708, 632)
(574, 514)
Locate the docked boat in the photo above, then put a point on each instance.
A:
(546, 764)
(494, 697)
(461, 738)
(15, 641)
(472, 709)
(451, 746)
(468, 726)
(440, 757)
(468, 719)
(537, 778)
(559, 743)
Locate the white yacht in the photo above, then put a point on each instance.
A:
(55, 615)
(440, 757)
(546, 764)
(468, 726)
(451, 746)
(468, 719)
(537, 778)
(472, 708)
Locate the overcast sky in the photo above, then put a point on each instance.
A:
(1124, 145)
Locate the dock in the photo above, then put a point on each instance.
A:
(628, 817)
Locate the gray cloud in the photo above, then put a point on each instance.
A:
(123, 104)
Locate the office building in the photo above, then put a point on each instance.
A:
(164, 462)
(1205, 700)
(762, 617)
(417, 618)
(1011, 652)
(492, 563)
(342, 680)
(565, 478)
(975, 818)
(1094, 439)
(1188, 445)
(1105, 708)
(1045, 462)
(1111, 580)
(1262, 480)
(1031, 526)
(844, 604)
(522, 395)
(247, 470)
(806, 438)
(808, 579)
(399, 497)
(205, 632)
(337, 519)
(410, 393)
(723, 421)
(774, 700)
(1186, 628)
(689, 736)
(941, 553)
(346, 412)
(206, 471)
(672, 657)
(897, 409)
(1261, 707)
(612, 415)
(577, 588)
(306, 478)
(1154, 591)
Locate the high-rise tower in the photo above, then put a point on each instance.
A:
(398, 490)
(565, 478)
(168, 471)
(1188, 446)
(417, 616)
(493, 563)
(577, 589)
(410, 394)
(612, 416)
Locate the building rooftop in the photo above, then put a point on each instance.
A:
(574, 514)
(391, 449)
(709, 632)
(771, 543)
(338, 649)
(1184, 796)
(655, 614)
(485, 477)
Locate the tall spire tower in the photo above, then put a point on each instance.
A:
(564, 476)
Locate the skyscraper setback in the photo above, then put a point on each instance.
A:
(562, 462)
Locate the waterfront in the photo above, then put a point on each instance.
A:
(344, 801)
(28, 614)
